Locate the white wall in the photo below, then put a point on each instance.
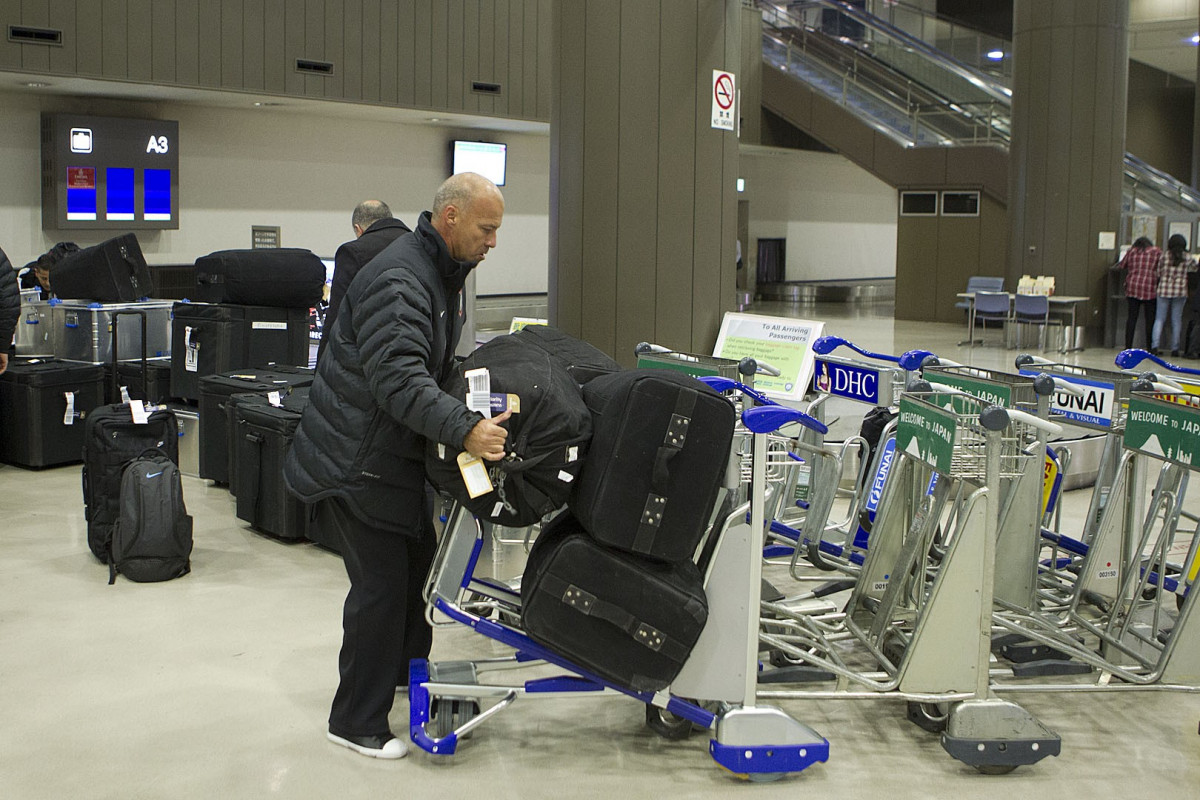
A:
(838, 219)
(302, 172)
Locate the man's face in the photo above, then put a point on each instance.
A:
(473, 231)
(43, 277)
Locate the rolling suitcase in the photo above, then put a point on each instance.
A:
(43, 407)
(208, 339)
(216, 412)
(582, 360)
(660, 447)
(283, 277)
(263, 435)
(630, 620)
(111, 440)
(152, 386)
(111, 272)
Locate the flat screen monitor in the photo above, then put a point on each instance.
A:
(486, 158)
(109, 173)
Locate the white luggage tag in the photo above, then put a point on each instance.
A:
(138, 410)
(273, 399)
(191, 356)
(479, 391)
(69, 415)
(124, 394)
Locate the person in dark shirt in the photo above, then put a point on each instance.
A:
(374, 229)
(10, 308)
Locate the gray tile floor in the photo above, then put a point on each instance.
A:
(218, 684)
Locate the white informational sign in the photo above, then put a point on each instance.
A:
(782, 342)
(1107, 240)
(724, 109)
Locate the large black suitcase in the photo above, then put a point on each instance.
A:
(630, 620)
(43, 406)
(152, 386)
(263, 435)
(581, 359)
(207, 339)
(217, 422)
(660, 447)
(548, 434)
(111, 440)
(284, 277)
(114, 271)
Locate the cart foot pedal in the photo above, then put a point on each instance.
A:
(763, 741)
(795, 673)
(1050, 666)
(1019, 650)
(996, 736)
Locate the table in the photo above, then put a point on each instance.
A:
(1059, 304)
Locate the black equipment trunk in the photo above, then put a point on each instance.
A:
(111, 272)
(43, 405)
(263, 435)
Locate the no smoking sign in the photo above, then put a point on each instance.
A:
(724, 100)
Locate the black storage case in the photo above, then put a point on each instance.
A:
(660, 447)
(582, 360)
(263, 434)
(630, 620)
(547, 440)
(114, 271)
(283, 277)
(217, 422)
(34, 427)
(111, 440)
(207, 339)
(152, 387)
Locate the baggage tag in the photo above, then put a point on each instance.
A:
(479, 391)
(125, 394)
(273, 399)
(69, 415)
(474, 474)
(191, 357)
(140, 415)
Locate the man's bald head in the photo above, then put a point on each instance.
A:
(367, 213)
(467, 211)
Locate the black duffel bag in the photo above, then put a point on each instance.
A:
(113, 271)
(582, 360)
(630, 620)
(282, 277)
(548, 434)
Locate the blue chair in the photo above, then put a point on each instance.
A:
(989, 307)
(977, 283)
(1032, 309)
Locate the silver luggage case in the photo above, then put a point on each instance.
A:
(83, 331)
(34, 331)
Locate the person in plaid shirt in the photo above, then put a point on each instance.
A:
(1172, 292)
(1141, 282)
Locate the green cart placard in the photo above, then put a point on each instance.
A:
(994, 392)
(1162, 429)
(926, 432)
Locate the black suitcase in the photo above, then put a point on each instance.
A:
(153, 386)
(548, 434)
(660, 447)
(111, 272)
(111, 440)
(581, 359)
(284, 277)
(263, 435)
(43, 407)
(207, 339)
(630, 620)
(217, 422)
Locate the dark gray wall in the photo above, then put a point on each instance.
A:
(1158, 123)
(643, 196)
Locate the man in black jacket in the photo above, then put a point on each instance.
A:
(10, 308)
(359, 450)
(374, 229)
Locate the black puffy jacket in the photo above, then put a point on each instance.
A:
(376, 397)
(10, 302)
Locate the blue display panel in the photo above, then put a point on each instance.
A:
(158, 194)
(81, 193)
(119, 193)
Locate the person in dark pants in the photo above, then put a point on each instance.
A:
(359, 449)
(1141, 281)
(374, 229)
(10, 308)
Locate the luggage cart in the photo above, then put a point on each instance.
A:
(1120, 620)
(918, 622)
(751, 740)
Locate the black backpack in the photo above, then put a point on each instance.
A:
(152, 537)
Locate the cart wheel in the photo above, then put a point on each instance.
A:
(930, 717)
(666, 724)
(995, 769)
(447, 714)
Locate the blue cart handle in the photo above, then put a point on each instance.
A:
(912, 360)
(1128, 359)
(721, 384)
(767, 419)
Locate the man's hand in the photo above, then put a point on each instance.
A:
(486, 439)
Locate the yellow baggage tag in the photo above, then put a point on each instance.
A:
(474, 474)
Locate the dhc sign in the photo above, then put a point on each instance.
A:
(843, 380)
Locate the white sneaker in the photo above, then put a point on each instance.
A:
(372, 746)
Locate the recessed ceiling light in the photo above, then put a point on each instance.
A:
(434, 119)
(1195, 38)
(995, 55)
(35, 84)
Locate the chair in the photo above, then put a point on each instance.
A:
(989, 307)
(1033, 308)
(977, 283)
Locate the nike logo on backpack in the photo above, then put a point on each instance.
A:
(154, 475)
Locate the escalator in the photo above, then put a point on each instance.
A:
(901, 108)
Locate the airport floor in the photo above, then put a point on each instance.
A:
(218, 684)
